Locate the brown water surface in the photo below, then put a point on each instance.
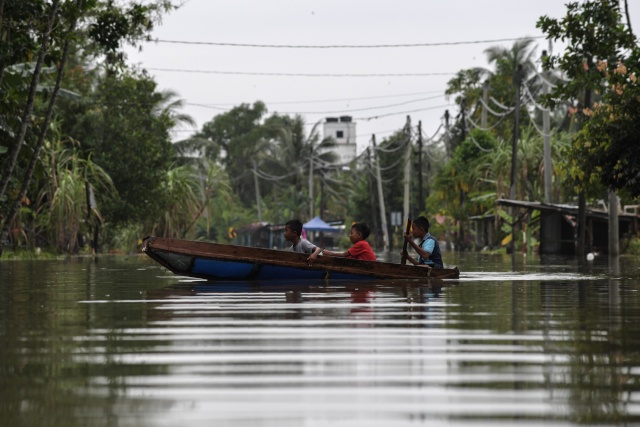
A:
(122, 342)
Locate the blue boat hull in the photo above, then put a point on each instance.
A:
(232, 270)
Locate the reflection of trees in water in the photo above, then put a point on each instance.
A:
(58, 357)
(594, 324)
(598, 377)
(62, 360)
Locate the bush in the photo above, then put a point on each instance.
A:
(633, 246)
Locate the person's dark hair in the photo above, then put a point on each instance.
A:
(422, 222)
(362, 228)
(295, 225)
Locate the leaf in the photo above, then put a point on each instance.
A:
(4, 127)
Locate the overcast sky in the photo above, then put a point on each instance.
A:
(212, 78)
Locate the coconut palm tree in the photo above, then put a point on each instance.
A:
(168, 105)
(467, 85)
(300, 156)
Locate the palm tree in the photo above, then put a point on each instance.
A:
(303, 157)
(467, 84)
(507, 60)
(168, 106)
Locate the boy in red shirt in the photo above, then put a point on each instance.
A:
(360, 249)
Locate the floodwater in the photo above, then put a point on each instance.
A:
(123, 342)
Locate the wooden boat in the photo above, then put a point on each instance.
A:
(220, 262)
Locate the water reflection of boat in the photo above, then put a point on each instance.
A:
(215, 261)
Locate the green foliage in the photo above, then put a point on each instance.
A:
(468, 84)
(239, 135)
(466, 174)
(609, 140)
(592, 31)
(129, 138)
(103, 29)
(127, 237)
(21, 20)
(184, 202)
(113, 25)
(28, 254)
(601, 64)
(289, 156)
(59, 213)
(633, 247)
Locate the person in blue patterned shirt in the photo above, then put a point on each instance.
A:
(428, 249)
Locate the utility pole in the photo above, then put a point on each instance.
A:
(448, 157)
(311, 185)
(257, 185)
(407, 169)
(420, 195)
(582, 198)
(371, 196)
(447, 143)
(383, 214)
(614, 236)
(460, 246)
(463, 104)
(485, 98)
(517, 81)
(547, 140)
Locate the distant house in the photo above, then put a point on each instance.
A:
(261, 235)
(271, 236)
(558, 225)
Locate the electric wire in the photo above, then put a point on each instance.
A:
(432, 157)
(544, 79)
(318, 101)
(493, 112)
(485, 150)
(426, 139)
(361, 109)
(269, 177)
(400, 146)
(477, 126)
(536, 127)
(355, 46)
(495, 101)
(281, 74)
(541, 131)
(533, 101)
(403, 112)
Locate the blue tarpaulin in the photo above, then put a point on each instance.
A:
(316, 224)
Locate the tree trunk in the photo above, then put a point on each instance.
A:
(43, 129)
(582, 225)
(10, 163)
(2, 64)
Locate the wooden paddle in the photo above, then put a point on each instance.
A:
(403, 260)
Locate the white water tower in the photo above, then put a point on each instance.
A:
(343, 130)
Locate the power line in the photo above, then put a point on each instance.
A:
(337, 99)
(404, 112)
(343, 46)
(335, 111)
(247, 73)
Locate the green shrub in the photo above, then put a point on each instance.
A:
(633, 248)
